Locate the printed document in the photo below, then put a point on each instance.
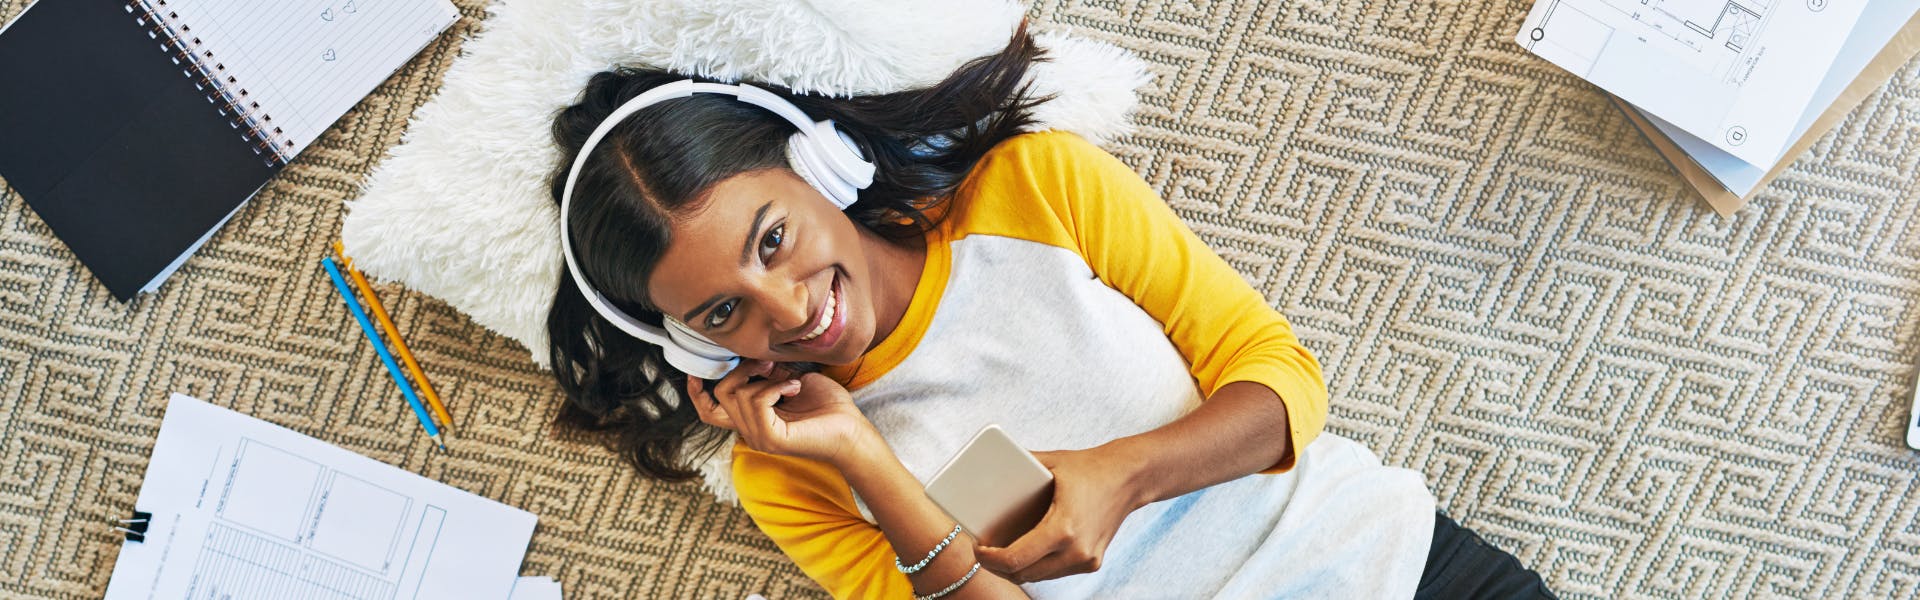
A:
(1879, 23)
(242, 508)
(1737, 74)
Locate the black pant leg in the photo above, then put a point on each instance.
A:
(1462, 565)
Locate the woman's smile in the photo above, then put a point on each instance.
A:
(828, 324)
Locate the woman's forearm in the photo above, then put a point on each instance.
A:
(913, 525)
(1242, 429)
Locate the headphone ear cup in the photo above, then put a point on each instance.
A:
(803, 155)
(694, 354)
(697, 366)
(844, 155)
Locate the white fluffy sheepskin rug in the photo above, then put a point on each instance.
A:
(460, 210)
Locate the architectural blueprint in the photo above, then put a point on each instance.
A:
(242, 508)
(1878, 25)
(1735, 73)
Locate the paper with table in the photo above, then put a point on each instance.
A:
(1737, 74)
(242, 508)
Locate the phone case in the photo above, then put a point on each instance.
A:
(995, 489)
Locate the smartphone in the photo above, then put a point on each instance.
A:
(996, 490)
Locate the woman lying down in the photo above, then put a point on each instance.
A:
(856, 298)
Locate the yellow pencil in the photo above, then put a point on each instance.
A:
(393, 334)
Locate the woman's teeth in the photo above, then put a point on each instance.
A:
(826, 316)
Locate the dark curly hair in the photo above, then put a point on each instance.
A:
(662, 160)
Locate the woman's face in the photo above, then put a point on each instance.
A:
(771, 270)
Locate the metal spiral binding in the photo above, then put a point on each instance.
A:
(209, 76)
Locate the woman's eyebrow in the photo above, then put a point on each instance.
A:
(746, 248)
(700, 309)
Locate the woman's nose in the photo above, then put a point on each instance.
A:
(787, 306)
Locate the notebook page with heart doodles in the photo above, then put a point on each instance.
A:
(296, 66)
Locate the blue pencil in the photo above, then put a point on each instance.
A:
(393, 368)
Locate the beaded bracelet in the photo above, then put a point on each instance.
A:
(923, 562)
(956, 585)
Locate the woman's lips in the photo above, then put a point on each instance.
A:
(838, 327)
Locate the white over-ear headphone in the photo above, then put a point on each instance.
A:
(822, 154)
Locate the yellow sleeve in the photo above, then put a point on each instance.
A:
(808, 510)
(1094, 204)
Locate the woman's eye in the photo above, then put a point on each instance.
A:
(771, 242)
(719, 315)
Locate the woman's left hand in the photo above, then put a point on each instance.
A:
(1093, 492)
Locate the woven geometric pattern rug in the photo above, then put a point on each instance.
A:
(1510, 291)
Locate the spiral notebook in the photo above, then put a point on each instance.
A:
(135, 128)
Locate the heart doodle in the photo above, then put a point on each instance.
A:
(328, 55)
(349, 8)
(326, 15)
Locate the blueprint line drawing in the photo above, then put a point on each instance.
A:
(1577, 41)
(243, 508)
(345, 535)
(1735, 24)
(1713, 35)
(380, 512)
(262, 483)
(425, 536)
(1735, 73)
(235, 563)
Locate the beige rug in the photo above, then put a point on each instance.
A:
(1510, 290)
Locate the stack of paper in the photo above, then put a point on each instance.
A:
(242, 508)
(1728, 90)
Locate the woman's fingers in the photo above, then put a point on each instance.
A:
(1007, 562)
(748, 401)
(705, 405)
(1023, 553)
(762, 395)
(741, 375)
(1036, 562)
(754, 405)
(749, 408)
(1047, 458)
(1058, 564)
(729, 386)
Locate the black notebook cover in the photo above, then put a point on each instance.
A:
(106, 138)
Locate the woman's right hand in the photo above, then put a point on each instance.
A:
(809, 417)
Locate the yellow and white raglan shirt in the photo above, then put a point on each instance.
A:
(1064, 301)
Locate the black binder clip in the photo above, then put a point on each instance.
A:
(136, 527)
